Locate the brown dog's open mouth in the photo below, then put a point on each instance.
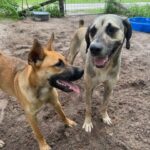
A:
(100, 62)
(64, 80)
(67, 86)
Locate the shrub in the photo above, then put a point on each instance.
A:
(53, 10)
(8, 8)
(114, 7)
(143, 11)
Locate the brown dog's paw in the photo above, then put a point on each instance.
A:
(70, 122)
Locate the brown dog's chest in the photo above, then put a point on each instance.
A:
(44, 93)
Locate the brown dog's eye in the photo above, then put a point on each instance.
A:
(60, 63)
(110, 30)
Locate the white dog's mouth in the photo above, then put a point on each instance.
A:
(100, 62)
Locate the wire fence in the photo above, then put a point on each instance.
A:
(96, 6)
(75, 7)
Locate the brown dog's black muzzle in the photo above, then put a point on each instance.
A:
(63, 80)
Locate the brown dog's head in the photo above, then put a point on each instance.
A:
(106, 36)
(51, 67)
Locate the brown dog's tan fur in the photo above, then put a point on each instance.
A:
(28, 83)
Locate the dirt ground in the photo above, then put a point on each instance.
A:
(129, 107)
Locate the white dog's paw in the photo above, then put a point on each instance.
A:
(87, 125)
(106, 119)
(1, 144)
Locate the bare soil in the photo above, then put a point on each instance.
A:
(129, 107)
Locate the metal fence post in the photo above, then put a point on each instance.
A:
(61, 7)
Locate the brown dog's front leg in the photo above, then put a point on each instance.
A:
(59, 110)
(55, 102)
(41, 141)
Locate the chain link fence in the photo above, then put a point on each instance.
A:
(75, 7)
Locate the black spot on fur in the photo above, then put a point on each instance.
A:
(93, 31)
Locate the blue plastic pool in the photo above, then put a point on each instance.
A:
(140, 24)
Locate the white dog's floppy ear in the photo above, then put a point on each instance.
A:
(87, 39)
(127, 32)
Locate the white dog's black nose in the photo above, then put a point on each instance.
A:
(96, 48)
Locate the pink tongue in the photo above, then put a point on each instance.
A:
(100, 61)
(71, 86)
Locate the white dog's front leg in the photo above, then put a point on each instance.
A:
(87, 124)
(108, 88)
(88, 95)
(1, 144)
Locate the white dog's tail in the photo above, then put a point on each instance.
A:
(81, 23)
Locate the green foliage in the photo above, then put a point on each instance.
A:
(8, 8)
(53, 10)
(143, 11)
(114, 7)
(37, 7)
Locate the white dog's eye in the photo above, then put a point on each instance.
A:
(111, 30)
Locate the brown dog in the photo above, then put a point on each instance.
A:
(33, 83)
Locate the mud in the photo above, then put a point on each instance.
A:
(129, 107)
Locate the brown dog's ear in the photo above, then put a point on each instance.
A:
(50, 42)
(36, 54)
(87, 39)
(127, 32)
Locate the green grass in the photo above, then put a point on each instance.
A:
(29, 1)
(143, 11)
(86, 11)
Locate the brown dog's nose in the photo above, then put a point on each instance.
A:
(77, 73)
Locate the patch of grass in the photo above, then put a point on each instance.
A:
(135, 10)
(87, 11)
(143, 11)
(29, 1)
